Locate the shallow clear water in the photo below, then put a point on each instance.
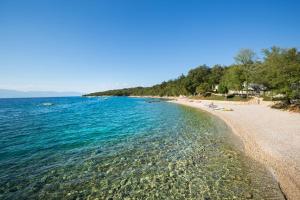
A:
(121, 148)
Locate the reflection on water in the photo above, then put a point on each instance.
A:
(121, 148)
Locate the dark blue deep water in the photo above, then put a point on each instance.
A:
(121, 148)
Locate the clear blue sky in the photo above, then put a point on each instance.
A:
(96, 45)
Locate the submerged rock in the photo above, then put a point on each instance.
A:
(249, 195)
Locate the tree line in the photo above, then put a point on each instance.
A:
(278, 71)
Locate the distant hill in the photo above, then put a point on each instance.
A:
(4, 93)
(278, 71)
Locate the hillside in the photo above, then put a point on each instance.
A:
(279, 72)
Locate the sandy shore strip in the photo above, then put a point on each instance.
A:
(270, 136)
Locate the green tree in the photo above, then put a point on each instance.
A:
(203, 88)
(222, 88)
(233, 78)
(281, 68)
(195, 77)
(215, 76)
(245, 58)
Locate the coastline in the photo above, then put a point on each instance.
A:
(270, 136)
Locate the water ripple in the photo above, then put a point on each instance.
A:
(121, 148)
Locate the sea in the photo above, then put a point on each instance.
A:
(122, 148)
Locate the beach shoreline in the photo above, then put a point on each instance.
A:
(270, 136)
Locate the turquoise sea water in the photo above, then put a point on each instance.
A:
(121, 148)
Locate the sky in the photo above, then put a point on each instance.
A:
(88, 46)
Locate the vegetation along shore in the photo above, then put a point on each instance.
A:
(275, 77)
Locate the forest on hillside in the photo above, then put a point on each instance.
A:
(278, 71)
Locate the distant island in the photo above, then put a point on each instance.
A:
(4, 93)
(276, 75)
